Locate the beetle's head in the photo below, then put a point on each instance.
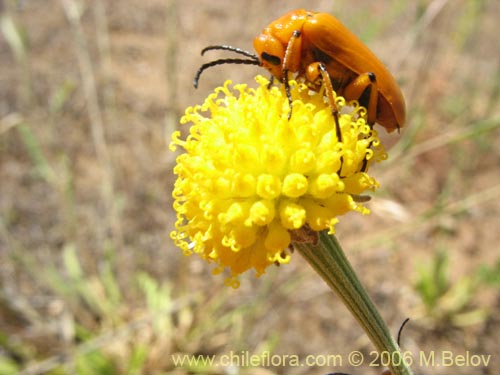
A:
(278, 37)
(271, 52)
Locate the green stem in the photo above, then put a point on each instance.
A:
(329, 260)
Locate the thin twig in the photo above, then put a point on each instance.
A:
(90, 91)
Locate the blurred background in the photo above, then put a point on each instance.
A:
(90, 283)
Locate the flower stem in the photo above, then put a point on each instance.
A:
(329, 260)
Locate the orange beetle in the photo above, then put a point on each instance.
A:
(317, 47)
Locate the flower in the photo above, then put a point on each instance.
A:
(250, 179)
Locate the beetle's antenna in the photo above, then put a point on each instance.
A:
(224, 47)
(221, 62)
(401, 329)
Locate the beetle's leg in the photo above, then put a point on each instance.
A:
(290, 63)
(327, 82)
(365, 163)
(331, 100)
(313, 73)
(271, 82)
(364, 89)
(288, 92)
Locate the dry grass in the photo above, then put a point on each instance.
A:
(90, 282)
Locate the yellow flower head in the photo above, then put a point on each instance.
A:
(250, 179)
